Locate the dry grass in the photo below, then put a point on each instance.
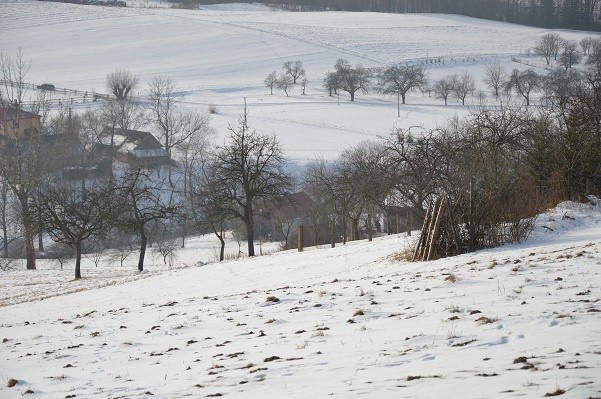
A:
(486, 320)
(451, 278)
(401, 256)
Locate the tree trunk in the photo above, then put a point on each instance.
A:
(333, 238)
(29, 232)
(78, 261)
(40, 241)
(344, 230)
(4, 227)
(5, 239)
(143, 243)
(352, 93)
(250, 230)
(222, 249)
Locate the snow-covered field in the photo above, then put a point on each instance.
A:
(221, 54)
(517, 321)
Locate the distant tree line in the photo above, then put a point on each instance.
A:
(570, 14)
(111, 3)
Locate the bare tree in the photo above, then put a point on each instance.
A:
(20, 162)
(570, 55)
(13, 71)
(463, 86)
(443, 88)
(331, 83)
(548, 46)
(416, 165)
(586, 44)
(250, 166)
(369, 173)
(283, 83)
(400, 79)
(304, 82)
(523, 82)
(494, 77)
(174, 126)
(121, 82)
(122, 114)
(8, 210)
(352, 79)
(72, 217)
(594, 58)
(322, 182)
(271, 81)
(211, 203)
(148, 200)
(294, 69)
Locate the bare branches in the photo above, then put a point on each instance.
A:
(13, 71)
(400, 79)
(249, 167)
(121, 82)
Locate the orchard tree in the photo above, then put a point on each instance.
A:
(524, 83)
(331, 83)
(399, 79)
(304, 82)
(72, 217)
(594, 58)
(271, 81)
(250, 168)
(352, 79)
(294, 69)
(211, 204)
(570, 55)
(586, 44)
(148, 199)
(283, 83)
(494, 77)
(463, 86)
(548, 46)
(444, 87)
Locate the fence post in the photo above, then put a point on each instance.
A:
(299, 235)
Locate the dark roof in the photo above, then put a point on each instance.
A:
(10, 114)
(137, 139)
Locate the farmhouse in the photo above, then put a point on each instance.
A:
(16, 123)
(279, 219)
(133, 147)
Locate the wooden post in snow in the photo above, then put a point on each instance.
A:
(299, 237)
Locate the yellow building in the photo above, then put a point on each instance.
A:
(15, 123)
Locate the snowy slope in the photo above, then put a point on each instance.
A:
(518, 321)
(221, 54)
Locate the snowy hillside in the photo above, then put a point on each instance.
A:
(219, 55)
(517, 321)
(352, 321)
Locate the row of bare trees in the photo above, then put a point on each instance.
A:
(399, 79)
(294, 73)
(499, 167)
